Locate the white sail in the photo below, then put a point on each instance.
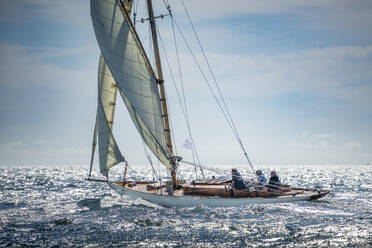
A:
(134, 77)
(109, 153)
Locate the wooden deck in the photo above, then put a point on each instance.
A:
(217, 190)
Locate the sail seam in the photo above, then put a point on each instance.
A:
(116, 39)
(131, 75)
(144, 132)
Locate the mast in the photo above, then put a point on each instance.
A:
(161, 90)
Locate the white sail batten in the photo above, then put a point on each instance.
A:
(134, 78)
(109, 153)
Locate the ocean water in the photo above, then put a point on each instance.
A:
(53, 206)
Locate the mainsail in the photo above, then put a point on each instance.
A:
(134, 77)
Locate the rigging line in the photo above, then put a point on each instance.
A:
(180, 101)
(160, 175)
(208, 168)
(208, 65)
(164, 51)
(136, 8)
(179, 71)
(184, 99)
(216, 84)
(210, 70)
(215, 97)
(204, 76)
(150, 50)
(170, 115)
(167, 5)
(212, 74)
(178, 60)
(193, 160)
(94, 144)
(150, 161)
(130, 167)
(181, 80)
(166, 97)
(135, 13)
(207, 82)
(184, 107)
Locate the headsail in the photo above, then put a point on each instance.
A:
(109, 153)
(134, 77)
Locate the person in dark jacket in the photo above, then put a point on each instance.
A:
(274, 181)
(237, 179)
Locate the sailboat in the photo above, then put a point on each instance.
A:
(125, 68)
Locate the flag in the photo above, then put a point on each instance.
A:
(188, 143)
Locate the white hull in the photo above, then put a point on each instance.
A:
(193, 201)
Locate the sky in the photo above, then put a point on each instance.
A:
(296, 75)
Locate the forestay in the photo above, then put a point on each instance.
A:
(135, 80)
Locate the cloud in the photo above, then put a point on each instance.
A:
(342, 73)
(316, 136)
(24, 67)
(322, 14)
(220, 9)
(335, 14)
(39, 142)
(351, 146)
(338, 72)
(19, 152)
(310, 141)
(322, 142)
(14, 146)
(63, 12)
(334, 72)
(44, 103)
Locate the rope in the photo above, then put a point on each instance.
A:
(186, 114)
(195, 169)
(160, 175)
(150, 161)
(135, 11)
(208, 168)
(167, 6)
(225, 111)
(183, 108)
